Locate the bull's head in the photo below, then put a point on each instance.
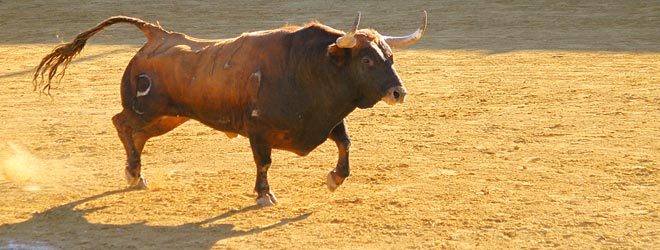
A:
(370, 62)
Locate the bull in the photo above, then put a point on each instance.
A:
(288, 88)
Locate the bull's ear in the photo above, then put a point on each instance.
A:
(337, 55)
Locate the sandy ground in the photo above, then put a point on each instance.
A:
(527, 126)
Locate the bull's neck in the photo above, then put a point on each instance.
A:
(330, 93)
(333, 96)
(329, 104)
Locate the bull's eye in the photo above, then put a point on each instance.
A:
(367, 61)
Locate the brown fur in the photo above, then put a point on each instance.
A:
(288, 88)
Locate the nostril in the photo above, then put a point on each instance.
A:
(396, 94)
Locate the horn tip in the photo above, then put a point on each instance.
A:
(424, 22)
(356, 23)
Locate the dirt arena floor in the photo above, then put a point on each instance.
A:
(527, 125)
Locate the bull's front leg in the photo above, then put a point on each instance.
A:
(261, 152)
(339, 135)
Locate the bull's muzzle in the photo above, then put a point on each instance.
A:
(395, 95)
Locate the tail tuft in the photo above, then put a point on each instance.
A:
(49, 65)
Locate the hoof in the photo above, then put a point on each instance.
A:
(333, 181)
(141, 184)
(267, 199)
(135, 182)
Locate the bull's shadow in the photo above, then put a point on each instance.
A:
(64, 226)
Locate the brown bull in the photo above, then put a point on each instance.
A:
(287, 88)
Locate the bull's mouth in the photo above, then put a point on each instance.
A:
(395, 95)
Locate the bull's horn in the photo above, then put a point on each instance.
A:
(348, 40)
(402, 41)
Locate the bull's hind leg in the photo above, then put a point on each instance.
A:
(125, 123)
(336, 177)
(134, 133)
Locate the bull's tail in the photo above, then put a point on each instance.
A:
(64, 53)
